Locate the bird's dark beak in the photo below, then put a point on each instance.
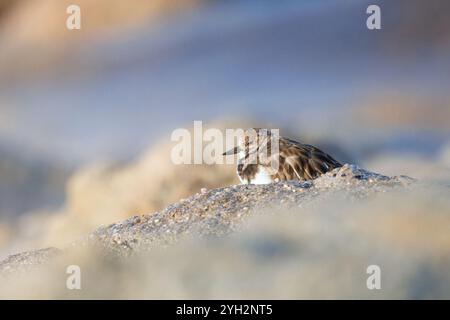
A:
(231, 151)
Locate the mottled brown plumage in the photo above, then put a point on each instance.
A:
(265, 157)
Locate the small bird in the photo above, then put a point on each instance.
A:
(264, 157)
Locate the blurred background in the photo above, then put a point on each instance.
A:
(86, 115)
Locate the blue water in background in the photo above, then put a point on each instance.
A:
(298, 64)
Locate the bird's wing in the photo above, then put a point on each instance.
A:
(306, 161)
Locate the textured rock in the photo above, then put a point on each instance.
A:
(22, 261)
(280, 241)
(218, 212)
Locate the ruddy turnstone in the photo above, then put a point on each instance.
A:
(265, 157)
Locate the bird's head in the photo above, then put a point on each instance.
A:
(251, 141)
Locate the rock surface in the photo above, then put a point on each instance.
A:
(287, 240)
(215, 213)
(22, 261)
(218, 212)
